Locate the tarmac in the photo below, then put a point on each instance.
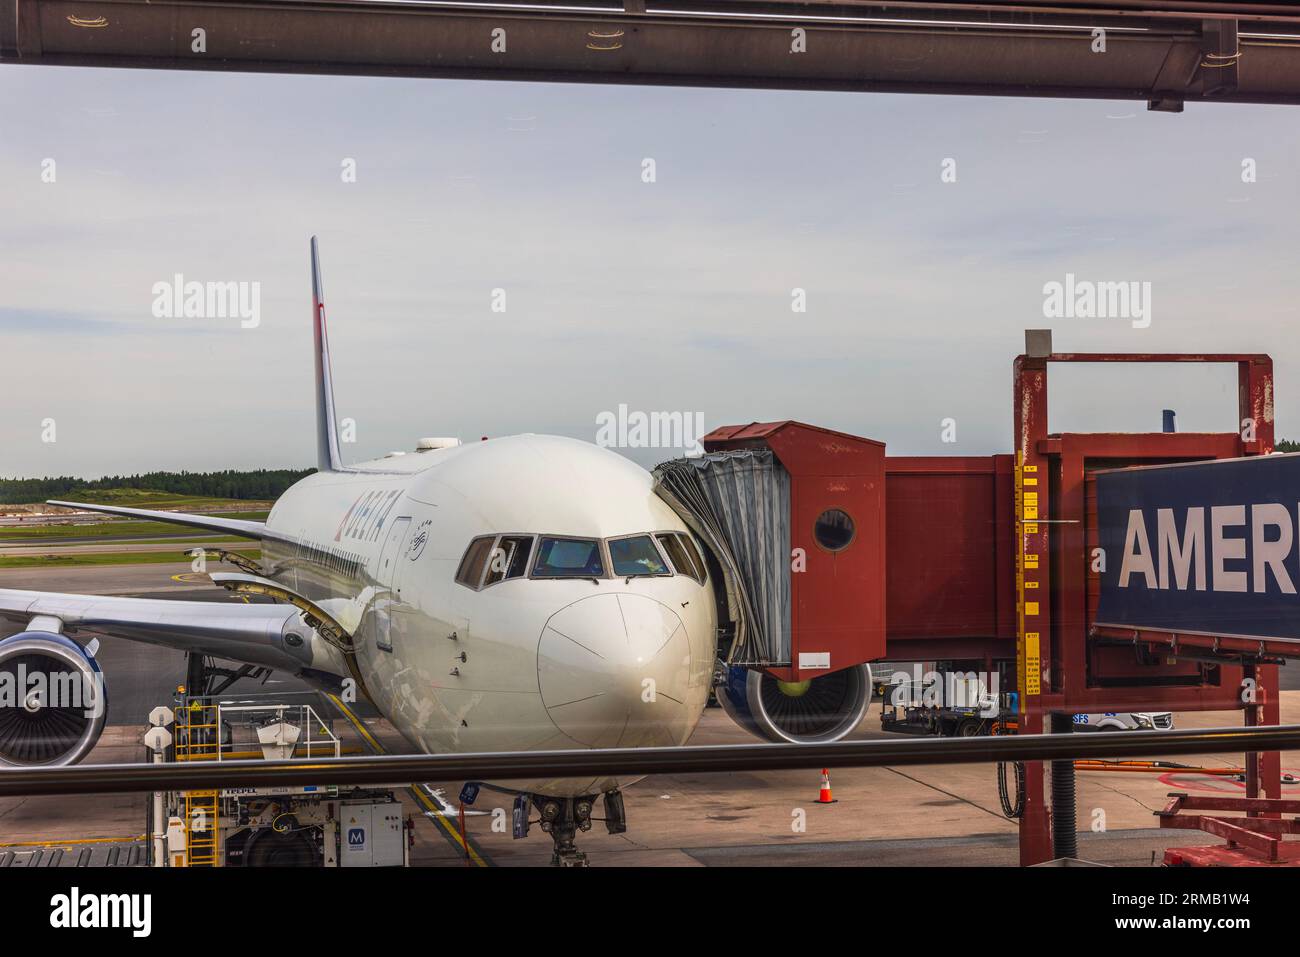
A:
(888, 817)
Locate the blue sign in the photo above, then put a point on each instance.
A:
(1210, 547)
(356, 837)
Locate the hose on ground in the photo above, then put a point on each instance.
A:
(1012, 808)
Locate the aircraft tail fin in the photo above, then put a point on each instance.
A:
(328, 458)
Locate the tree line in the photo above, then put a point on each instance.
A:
(256, 484)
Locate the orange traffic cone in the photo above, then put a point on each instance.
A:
(825, 796)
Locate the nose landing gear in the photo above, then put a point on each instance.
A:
(563, 818)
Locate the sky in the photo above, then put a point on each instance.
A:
(671, 295)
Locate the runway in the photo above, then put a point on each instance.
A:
(112, 580)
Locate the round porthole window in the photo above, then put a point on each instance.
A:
(834, 530)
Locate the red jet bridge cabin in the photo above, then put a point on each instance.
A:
(794, 520)
(837, 541)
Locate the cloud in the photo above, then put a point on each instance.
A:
(53, 322)
(671, 295)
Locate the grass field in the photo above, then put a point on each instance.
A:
(178, 542)
(196, 537)
(116, 528)
(105, 558)
(142, 498)
(126, 531)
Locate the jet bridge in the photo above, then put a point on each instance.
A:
(794, 517)
(1081, 573)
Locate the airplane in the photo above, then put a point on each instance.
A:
(523, 593)
(530, 592)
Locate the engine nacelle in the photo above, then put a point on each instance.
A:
(52, 701)
(817, 711)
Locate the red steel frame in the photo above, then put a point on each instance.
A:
(1013, 566)
(1257, 839)
(1056, 570)
(949, 521)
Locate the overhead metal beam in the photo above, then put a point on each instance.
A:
(402, 769)
(1160, 52)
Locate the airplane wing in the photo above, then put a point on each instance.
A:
(48, 730)
(213, 523)
(256, 634)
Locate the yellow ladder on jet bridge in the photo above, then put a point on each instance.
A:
(198, 735)
(199, 739)
(201, 831)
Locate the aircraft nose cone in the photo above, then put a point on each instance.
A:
(613, 671)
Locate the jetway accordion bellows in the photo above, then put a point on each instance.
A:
(738, 502)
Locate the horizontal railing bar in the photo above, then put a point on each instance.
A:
(390, 769)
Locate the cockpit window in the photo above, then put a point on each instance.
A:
(636, 556)
(681, 552)
(568, 558)
(509, 558)
(490, 559)
(476, 558)
(701, 573)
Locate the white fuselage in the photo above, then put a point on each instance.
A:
(526, 663)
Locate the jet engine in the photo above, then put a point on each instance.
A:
(817, 711)
(52, 703)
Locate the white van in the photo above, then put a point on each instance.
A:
(1124, 721)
